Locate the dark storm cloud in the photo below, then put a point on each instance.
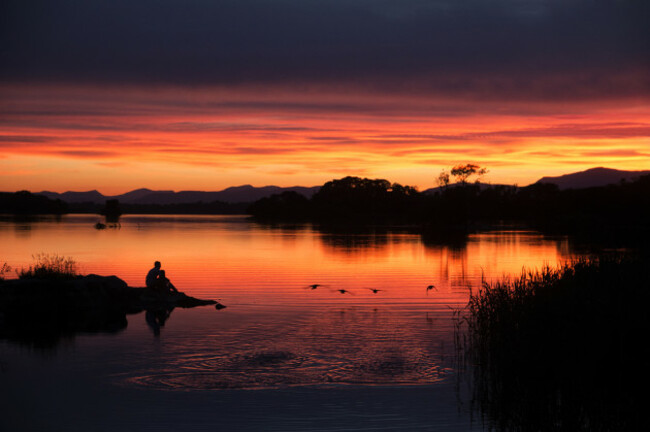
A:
(532, 48)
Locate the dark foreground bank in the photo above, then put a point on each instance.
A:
(39, 311)
(562, 349)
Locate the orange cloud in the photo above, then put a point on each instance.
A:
(211, 138)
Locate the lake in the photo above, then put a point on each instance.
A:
(281, 356)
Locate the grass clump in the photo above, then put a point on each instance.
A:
(49, 266)
(4, 269)
(561, 348)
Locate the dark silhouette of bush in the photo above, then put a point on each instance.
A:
(355, 197)
(463, 172)
(355, 200)
(561, 348)
(287, 206)
(349, 198)
(112, 210)
(24, 202)
(456, 204)
(50, 267)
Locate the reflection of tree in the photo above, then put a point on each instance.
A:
(452, 237)
(350, 238)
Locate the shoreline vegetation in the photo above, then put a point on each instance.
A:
(559, 348)
(359, 201)
(615, 216)
(366, 200)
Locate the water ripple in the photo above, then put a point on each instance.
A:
(281, 368)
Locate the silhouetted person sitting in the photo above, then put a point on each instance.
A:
(163, 284)
(152, 276)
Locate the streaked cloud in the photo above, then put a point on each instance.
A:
(200, 94)
(319, 144)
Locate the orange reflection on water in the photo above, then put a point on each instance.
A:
(239, 261)
(276, 331)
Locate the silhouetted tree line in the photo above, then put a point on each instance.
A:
(24, 202)
(357, 199)
(347, 198)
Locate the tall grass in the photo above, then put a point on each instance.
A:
(561, 348)
(49, 266)
(4, 269)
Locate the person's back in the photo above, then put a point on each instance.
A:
(152, 276)
(163, 284)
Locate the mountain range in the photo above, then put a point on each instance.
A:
(592, 178)
(236, 194)
(242, 194)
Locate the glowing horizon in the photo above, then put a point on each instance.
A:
(116, 140)
(203, 95)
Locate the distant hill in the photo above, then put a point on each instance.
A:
(237, 194)
(248, 194)
(592, 178)
(24, 202)
(75, 197)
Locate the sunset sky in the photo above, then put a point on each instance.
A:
(115, 95)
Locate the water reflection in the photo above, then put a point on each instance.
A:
(348, 345)
(255, 268)
(45, 327)
(156, 318)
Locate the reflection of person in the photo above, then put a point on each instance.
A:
(163, 284)
(152, 276)
(156, 319)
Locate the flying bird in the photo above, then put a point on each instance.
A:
(343, 291)
(313, 286)
(375, 290)
(431, 287)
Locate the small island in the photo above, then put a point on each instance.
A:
(40, 310)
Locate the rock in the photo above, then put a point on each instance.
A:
(42, 311)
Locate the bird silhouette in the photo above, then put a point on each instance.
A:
(375, 290)
(431, 287)
(313, 286)
(343, 291)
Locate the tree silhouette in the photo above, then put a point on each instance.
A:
(355, 196)
(463, 172)
(112, 210)
(443, 179)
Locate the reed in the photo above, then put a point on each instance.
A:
(560, 348)
(49, 266)
(4, 269)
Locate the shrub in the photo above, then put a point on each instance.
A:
(4, 269)
(48, 266)
(561, 348)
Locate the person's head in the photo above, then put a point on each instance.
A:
(156, 264)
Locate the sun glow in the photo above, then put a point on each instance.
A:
(82, 138)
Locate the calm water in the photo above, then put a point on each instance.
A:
(280, 356)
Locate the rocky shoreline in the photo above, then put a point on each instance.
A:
(40, 312)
